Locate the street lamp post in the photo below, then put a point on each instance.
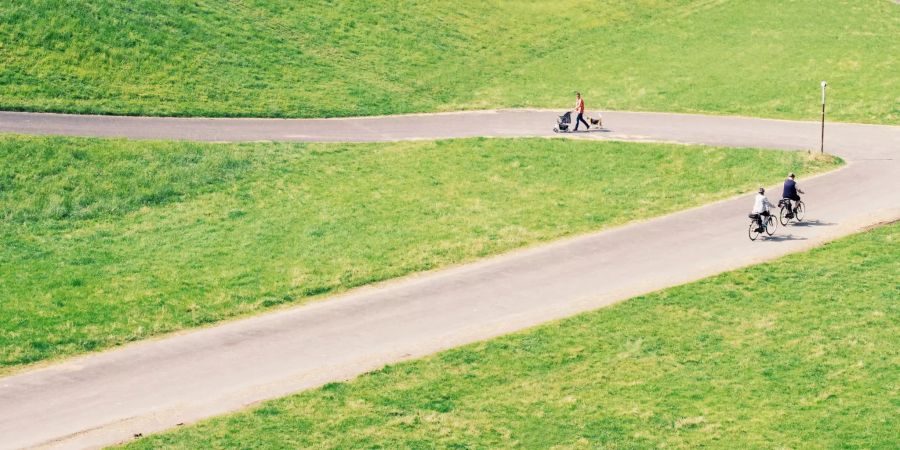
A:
(822, 138)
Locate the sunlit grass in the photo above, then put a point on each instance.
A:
(283, 58)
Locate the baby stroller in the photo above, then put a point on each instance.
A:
(563, 122)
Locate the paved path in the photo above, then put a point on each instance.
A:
(717, 130)
(149, 386)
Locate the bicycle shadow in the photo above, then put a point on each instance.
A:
(811, 223)
(784, 237)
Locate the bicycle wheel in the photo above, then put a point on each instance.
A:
(770, 225)
(753, 233)
(800, 211)
(782, 216)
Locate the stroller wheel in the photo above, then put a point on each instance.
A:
(556, 130)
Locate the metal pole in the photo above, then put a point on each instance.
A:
(822, 138)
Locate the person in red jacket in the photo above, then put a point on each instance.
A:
(579, 108)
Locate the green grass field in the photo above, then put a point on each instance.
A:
(282, 58)
(109, 241)
(799, 353)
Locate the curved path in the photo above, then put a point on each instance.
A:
(149, 386)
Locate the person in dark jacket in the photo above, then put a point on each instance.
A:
(791, 191)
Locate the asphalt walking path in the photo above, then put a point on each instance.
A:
(149, 386)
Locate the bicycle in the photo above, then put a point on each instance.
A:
(758, 225)
(786, 213)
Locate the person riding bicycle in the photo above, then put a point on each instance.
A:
(761, 207)
(790, 192)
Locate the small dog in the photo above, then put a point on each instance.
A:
(598, 121)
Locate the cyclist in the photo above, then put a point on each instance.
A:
(761, 207)
(790, 192)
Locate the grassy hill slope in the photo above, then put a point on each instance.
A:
(282, 58)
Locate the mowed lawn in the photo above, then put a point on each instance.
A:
(283, 58)
(799, 353)
(109, 241)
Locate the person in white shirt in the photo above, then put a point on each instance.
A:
(761, 207)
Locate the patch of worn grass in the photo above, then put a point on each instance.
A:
(109, 241)
(798, 353)
(282, 58)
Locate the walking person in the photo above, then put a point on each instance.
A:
(579, 108)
